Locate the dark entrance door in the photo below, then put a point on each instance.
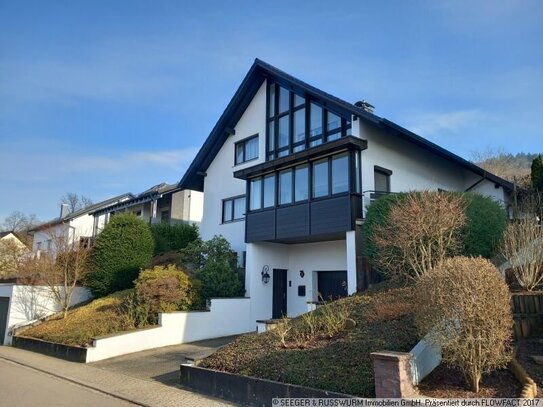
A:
(332, 284)
(279, 304)
(4, 307)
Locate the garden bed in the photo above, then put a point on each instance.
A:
(342, 364)
(100, 317)
(445, 382)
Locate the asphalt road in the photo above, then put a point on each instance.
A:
(21, 386)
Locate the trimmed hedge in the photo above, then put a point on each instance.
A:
(486, 223)
(124, 247)
(173, 237)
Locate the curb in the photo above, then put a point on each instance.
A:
(74, 381)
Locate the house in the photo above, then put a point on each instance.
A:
(77, 226)
(12, 250)
(161, 203)
(287, 173)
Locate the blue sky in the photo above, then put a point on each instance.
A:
(105, 97)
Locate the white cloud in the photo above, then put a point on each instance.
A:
(434, 124)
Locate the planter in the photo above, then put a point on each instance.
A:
(246, 390)
(66, 352)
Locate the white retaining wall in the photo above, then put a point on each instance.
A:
(28, 303)
(227, 316)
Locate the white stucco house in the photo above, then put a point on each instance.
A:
(286, 174)
(160, 203)
(72, 227)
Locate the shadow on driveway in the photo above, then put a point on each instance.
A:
(162, 364)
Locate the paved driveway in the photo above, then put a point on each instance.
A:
(162, 364)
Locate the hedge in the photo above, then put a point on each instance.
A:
(173, 237)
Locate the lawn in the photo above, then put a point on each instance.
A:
(100, 317)
(384, 321)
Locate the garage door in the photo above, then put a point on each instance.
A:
(332, 284)
(4, 307)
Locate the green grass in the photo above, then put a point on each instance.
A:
(384, 321)
(100, 317)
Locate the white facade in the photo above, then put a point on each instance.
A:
(28, 303)
(220, 183)
(412, 167)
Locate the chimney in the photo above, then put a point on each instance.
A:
(367, 106)
(63, 210)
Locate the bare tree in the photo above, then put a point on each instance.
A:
(522, 244)
(421, 230)
(60, 270)
(514, 168)
(74, 201)
(11, 256)
(21, 223)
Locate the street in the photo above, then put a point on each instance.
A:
(23, 386)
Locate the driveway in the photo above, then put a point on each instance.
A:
(162, 364)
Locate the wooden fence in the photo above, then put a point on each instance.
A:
(528, 314)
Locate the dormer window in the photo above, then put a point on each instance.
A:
(297, 122)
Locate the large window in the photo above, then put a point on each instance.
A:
(246, 150)
(233, 209)
(317, 179)
(297, 122)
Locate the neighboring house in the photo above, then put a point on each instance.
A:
(287, 172)
(161, 203)
(12, 250)
(79, 226)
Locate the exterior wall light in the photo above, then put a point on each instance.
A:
(302, 274)
(265, 275)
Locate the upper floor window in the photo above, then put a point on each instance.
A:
(297, 122)
(246, 150)
(233, 209)
(325, 177)
(381, 178)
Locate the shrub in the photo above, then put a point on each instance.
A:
(484, 229)
(124, 247)
(166, 289)
(466, 309)
(220, 280)
(215, 265)
(523, 249)
(420, 231)
(173, 237)
(480, 236)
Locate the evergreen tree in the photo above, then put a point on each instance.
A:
(537, 173)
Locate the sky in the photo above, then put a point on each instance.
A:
(105, 97)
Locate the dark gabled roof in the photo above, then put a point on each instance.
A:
(154, 192)
(87, 210)
(260, 70)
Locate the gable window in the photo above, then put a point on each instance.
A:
(233, 209)
(246, 150)
(297, 122)
(381, 178)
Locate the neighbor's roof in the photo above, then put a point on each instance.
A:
(85, 211)
(260, 70)
(154, 192)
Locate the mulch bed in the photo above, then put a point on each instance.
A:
(445, 382)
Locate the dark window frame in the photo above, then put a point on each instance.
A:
(233, 199)
(343, 130)
(383, 171)
(351, 181)
(244, 142)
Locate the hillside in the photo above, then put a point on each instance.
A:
(512, 167)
